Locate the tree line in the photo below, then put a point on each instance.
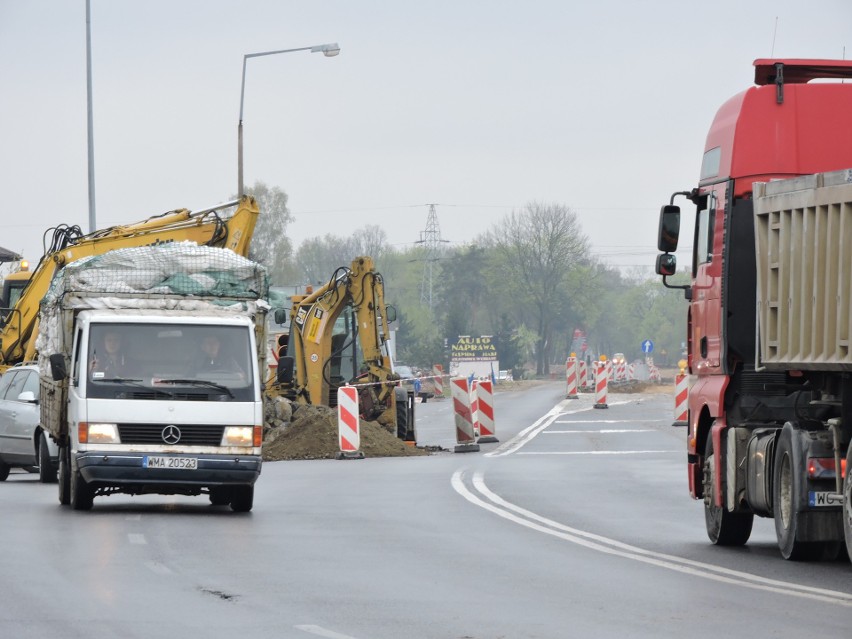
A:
(529, 281)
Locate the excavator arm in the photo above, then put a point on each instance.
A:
(338, 336)
(207, 227)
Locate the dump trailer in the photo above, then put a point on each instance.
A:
(770, 311)
(151, 370)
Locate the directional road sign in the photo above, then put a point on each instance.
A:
(647, 346)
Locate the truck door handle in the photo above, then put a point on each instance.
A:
(703, 347)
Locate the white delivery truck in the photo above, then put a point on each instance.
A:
(151, 362)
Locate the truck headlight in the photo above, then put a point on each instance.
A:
(97, 433)
(242, 436)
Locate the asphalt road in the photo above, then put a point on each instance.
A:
(577, 523)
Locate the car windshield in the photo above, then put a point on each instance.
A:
(161, 361)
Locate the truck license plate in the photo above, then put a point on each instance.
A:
(818, 499)
(183, 463)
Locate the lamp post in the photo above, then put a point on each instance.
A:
(328, 50)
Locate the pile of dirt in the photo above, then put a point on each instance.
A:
(312, 434)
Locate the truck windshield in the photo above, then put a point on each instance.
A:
(170, 361)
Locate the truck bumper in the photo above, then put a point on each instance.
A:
(125, 469)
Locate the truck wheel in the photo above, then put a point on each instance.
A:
(220, 496)
(786, 500)
(242, 498)
(4, 470)
(847, 503)
(64, 476)
(46, 469)
(724, 528)
(82, 495)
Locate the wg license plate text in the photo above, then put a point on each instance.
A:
(184, 463)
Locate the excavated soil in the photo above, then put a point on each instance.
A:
(313, 434)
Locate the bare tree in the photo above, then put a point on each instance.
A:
(537, 249)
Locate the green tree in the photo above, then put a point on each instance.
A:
(270, 245)
(536, 250)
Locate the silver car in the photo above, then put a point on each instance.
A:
(23, 444)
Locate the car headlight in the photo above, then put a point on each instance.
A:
(98, 433)
(242, 436)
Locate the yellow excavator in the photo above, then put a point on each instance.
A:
(23, 291)
(339, 335)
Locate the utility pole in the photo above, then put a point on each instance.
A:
(431, 240)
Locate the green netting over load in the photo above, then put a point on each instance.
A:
(180, 268)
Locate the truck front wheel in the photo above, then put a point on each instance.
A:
(82, 495)
(724, 528)
(64, 476)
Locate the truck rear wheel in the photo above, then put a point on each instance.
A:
(46, 469)
(220, 495)
(4, 470)
(724, 528)
(64, 476)
(82, 495)
(847, 503)
(787, 501)
(242, 499)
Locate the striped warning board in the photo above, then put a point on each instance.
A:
(348, 427)
(465, 436)
(485, 412)
(571, 377)
(438, 380)
(601, 377)
(681, 414)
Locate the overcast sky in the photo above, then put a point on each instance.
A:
(477, 106)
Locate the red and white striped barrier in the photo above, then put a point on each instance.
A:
(653, 372)
(571, 377)
(348, 427)
(601, 377)
(681, 413)
(485, 412)
(438, 379)
(621, 372)
(583, 376)
(465, 436)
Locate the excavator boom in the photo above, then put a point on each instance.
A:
(207, 227)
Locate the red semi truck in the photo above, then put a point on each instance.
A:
(770, 310)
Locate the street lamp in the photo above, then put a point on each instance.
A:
(328, 50)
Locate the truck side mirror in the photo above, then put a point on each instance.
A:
(280, 316)
(390, 314)
(669, 230)
(666, 264)
(57, 367)
(284, 374)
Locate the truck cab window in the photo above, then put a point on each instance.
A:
(704, 232)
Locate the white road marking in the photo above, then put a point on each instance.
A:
(602, 452)
(611, 421)
(137, 538)
(158, 568)
(530, 432)
(599, 543)
(587, 432)
(133, 517)
(322, 632)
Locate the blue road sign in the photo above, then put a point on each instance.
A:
(647, 346)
